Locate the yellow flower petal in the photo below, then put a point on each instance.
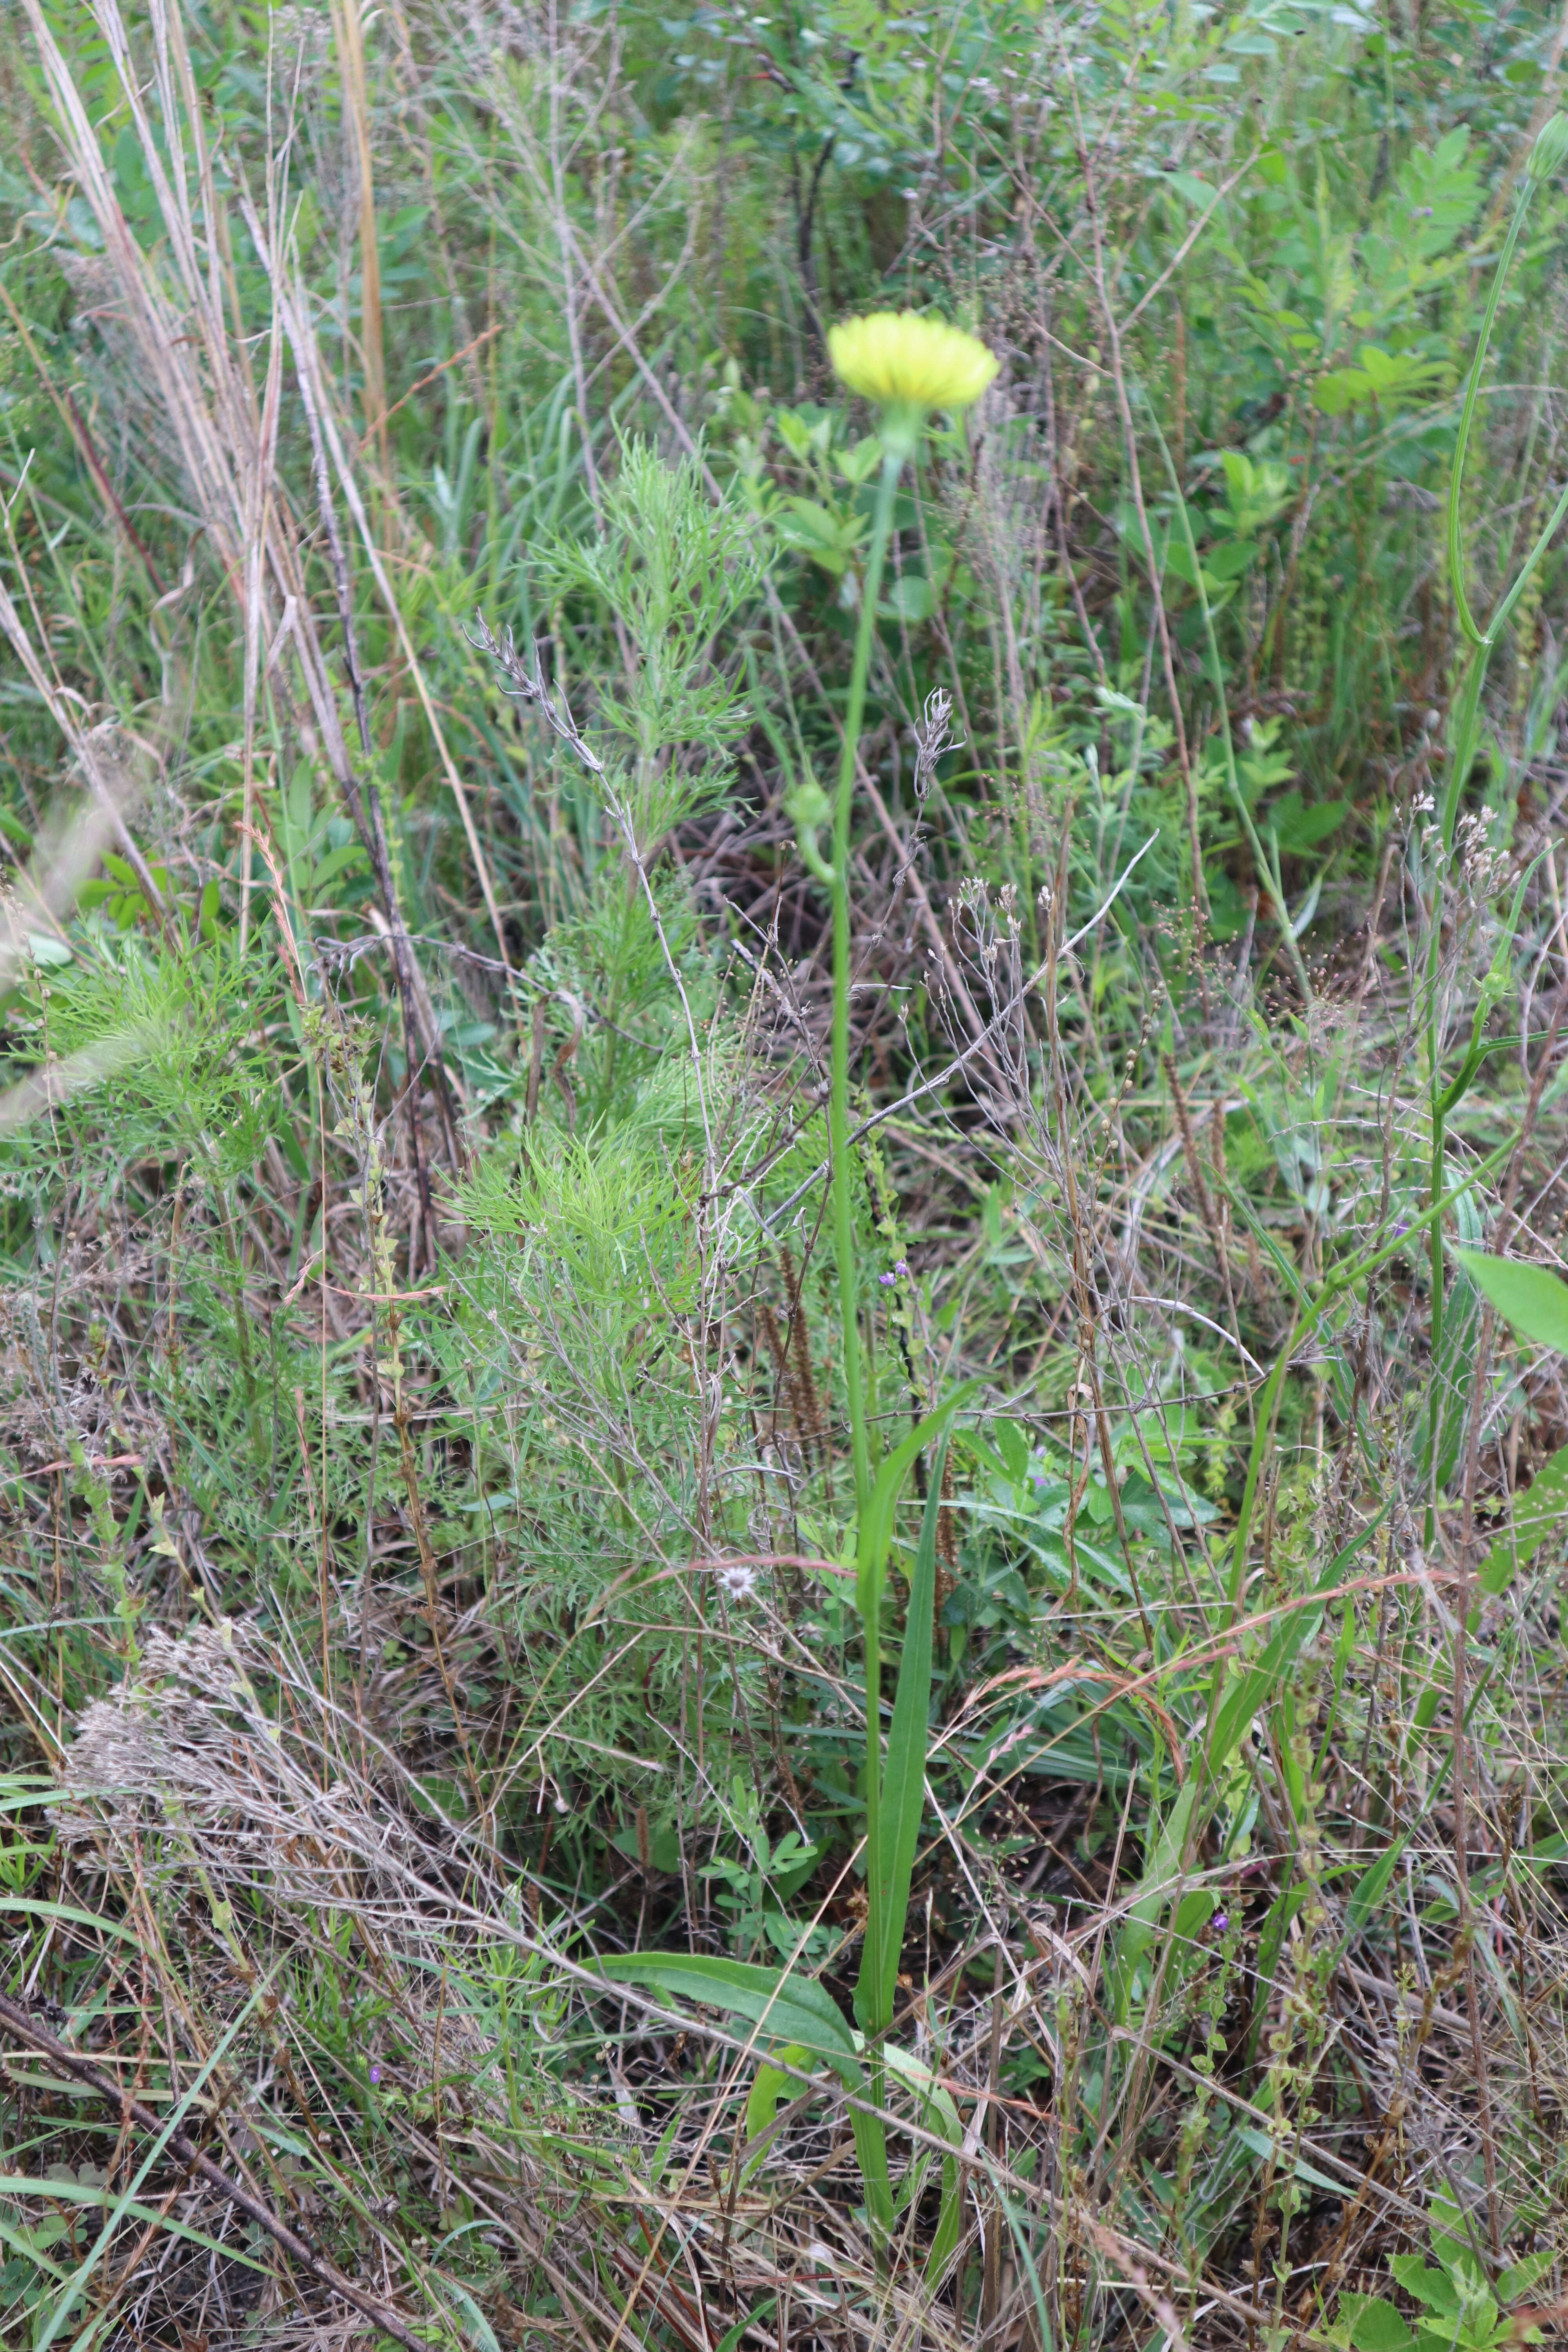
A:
(897, 359)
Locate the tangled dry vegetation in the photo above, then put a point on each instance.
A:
(436, 1595)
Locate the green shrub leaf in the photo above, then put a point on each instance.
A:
(1532, 1297)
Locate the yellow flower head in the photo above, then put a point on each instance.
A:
(901, 361)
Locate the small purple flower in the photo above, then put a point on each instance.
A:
(1220, 1922)
(1422, 212)
(887, 1280)
(375, 2073)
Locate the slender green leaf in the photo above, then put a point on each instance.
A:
(876, 1534)
(1260, 2145)
(731, 2340)
(1160, 1882)
(1371, 1887)
(127, 2196)
(76, 2192)
(903, 1775)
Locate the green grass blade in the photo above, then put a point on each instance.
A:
(876, 1533)
(903, 1776)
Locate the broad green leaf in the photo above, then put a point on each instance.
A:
(31, 2244)
(829, 539)
(793, 2010)
(1228, 560)
(911, 599)
(1198, 192)
(1299, 828)
(1532, 1297)
(790, 2008)
(1340, 388)
(1451, 2242)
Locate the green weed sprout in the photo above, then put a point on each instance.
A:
(909, 367)
(1458, 2311)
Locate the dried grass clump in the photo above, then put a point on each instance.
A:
(181, 1765)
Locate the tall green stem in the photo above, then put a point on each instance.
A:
(838, 1100)
(838, 1143)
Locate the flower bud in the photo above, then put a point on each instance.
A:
(1549, 152)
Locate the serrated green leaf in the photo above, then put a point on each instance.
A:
(1374, 2326)
(1436, 2289)
(1518, 2278)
